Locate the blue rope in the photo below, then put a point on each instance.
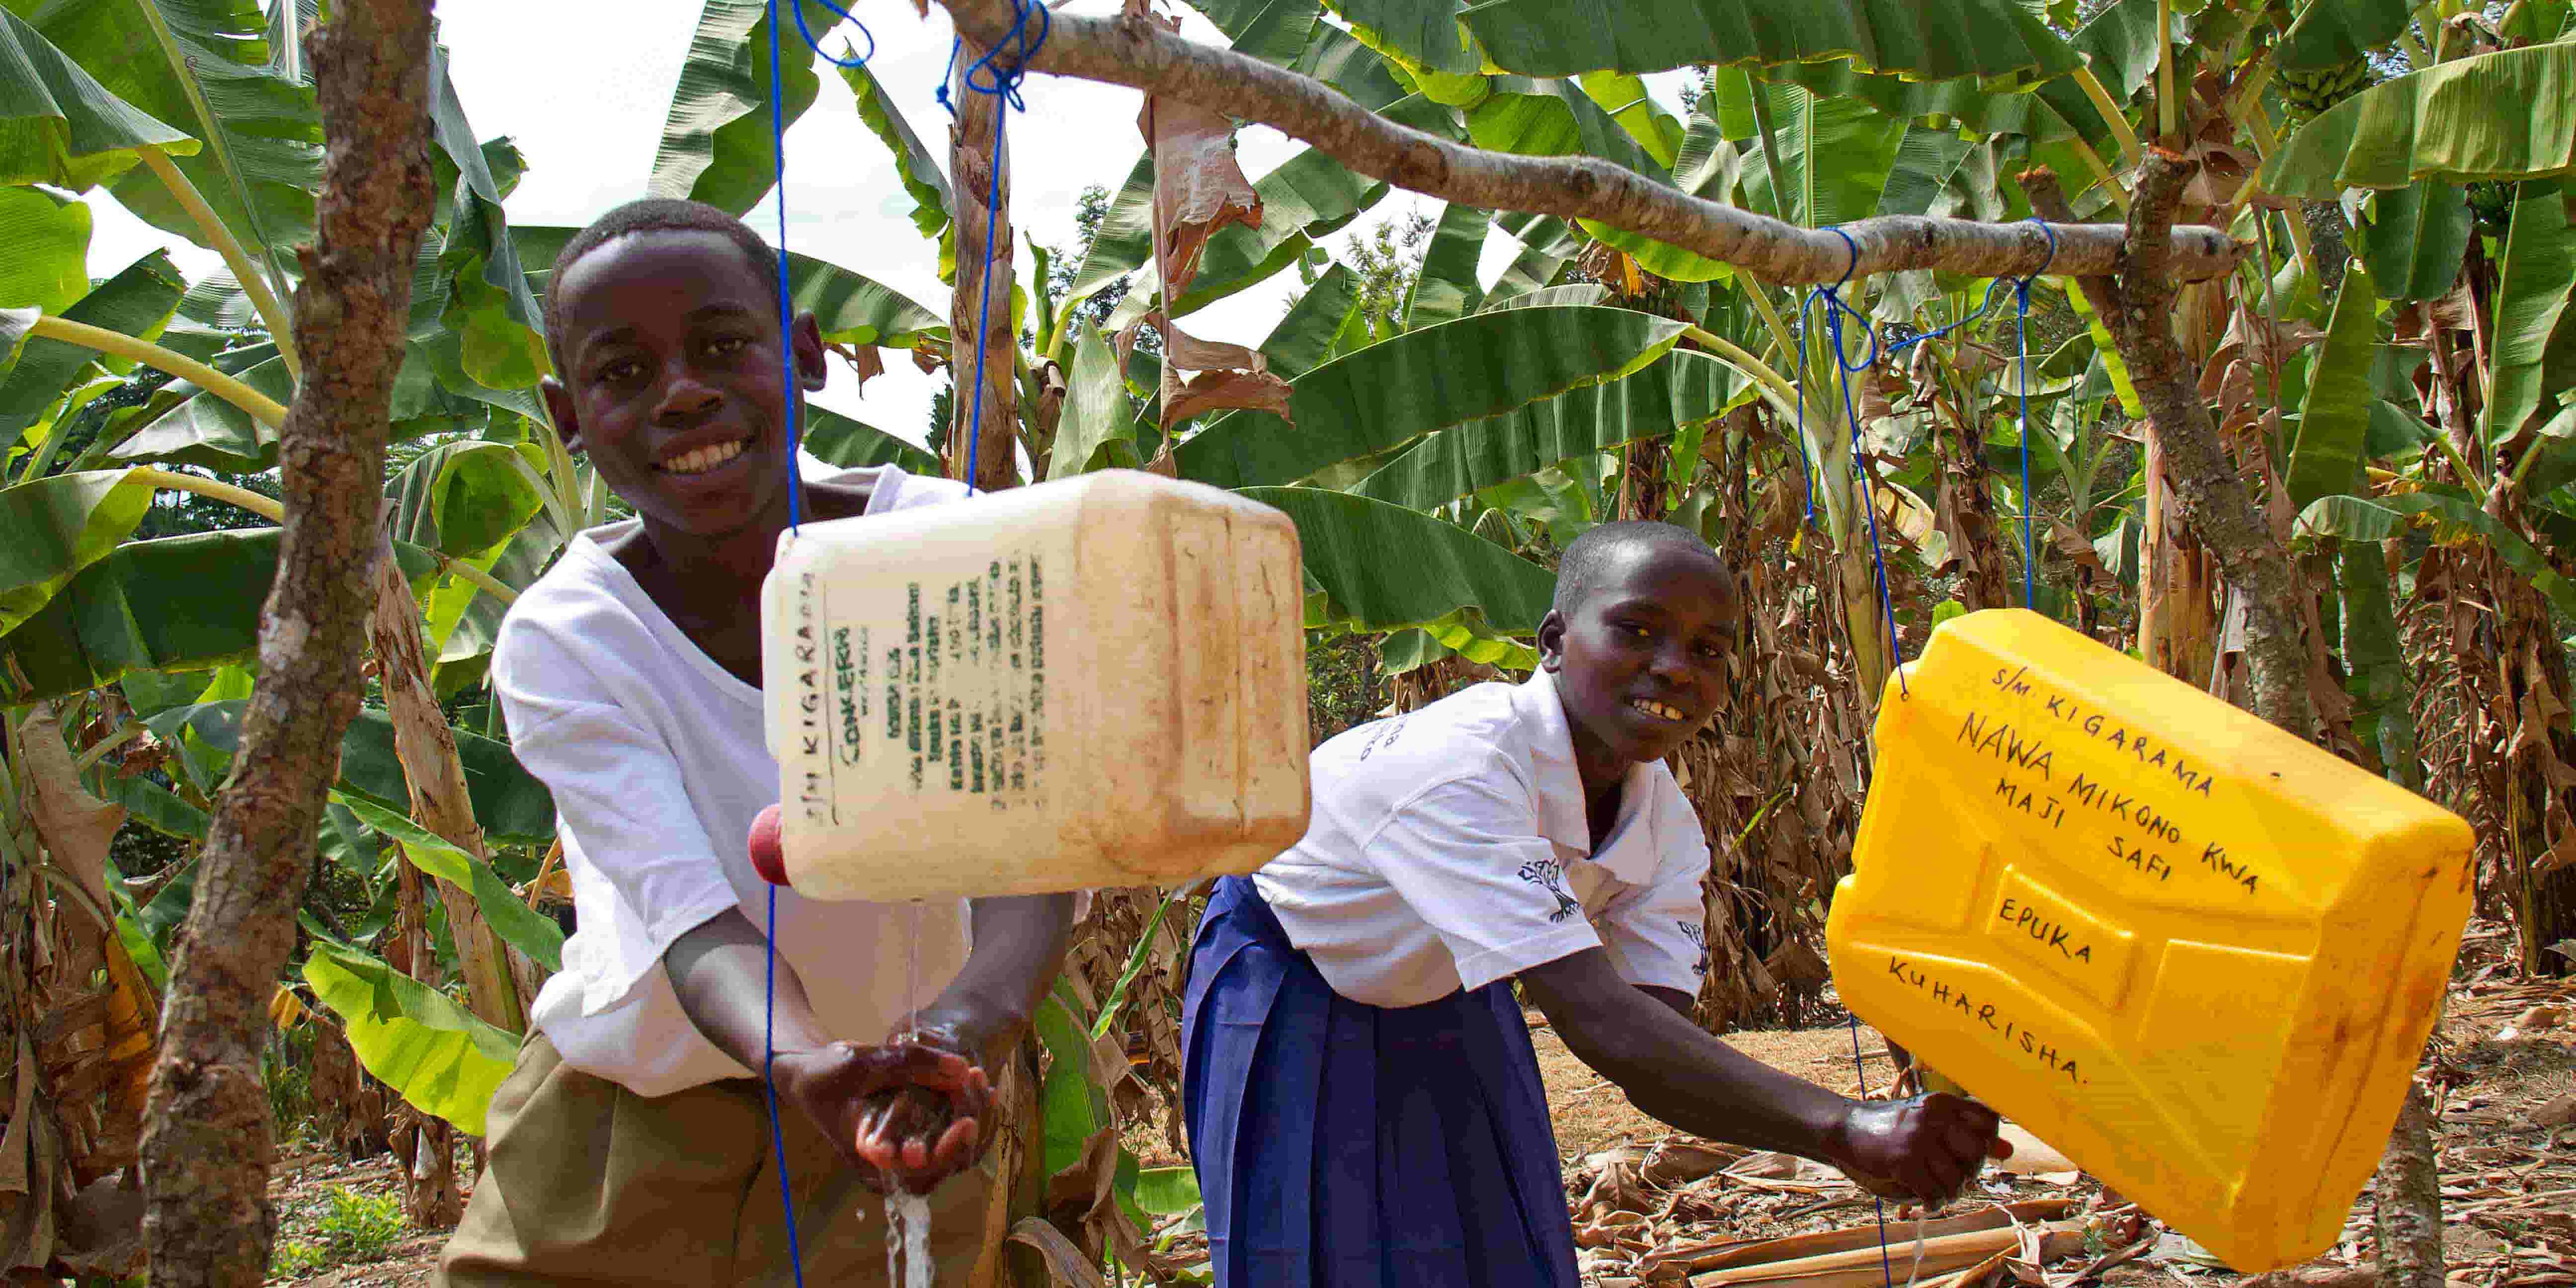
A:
(795, 520)
(786, 309)
(768, 1057)
(1806, 465)
(1002, 82)
(1835, 308)
(1886, 1267)
(2021, 332)
(810, 43)
(1994, 291)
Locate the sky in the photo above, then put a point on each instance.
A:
(585, 99)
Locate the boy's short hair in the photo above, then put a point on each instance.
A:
(1588, 558)
(651, 215)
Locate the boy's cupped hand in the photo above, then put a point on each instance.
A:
(1925, 1149)
(911, 1112)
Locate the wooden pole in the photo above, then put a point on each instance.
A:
(983, 210)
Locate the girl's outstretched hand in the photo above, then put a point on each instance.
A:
(1925, 1149)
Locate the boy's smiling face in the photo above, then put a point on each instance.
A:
(671, 379)
(1640, 662)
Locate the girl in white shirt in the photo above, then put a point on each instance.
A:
(1364, 1104)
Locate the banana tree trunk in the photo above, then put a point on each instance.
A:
(207, 1144)
(499, 983)
(2527, 677)
(421, 1144)
(979, 313)
(2177, 602)
(1964, 507)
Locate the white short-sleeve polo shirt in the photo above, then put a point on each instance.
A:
(658, 764)
(1448, 848)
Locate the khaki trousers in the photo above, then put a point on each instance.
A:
(589, 1183)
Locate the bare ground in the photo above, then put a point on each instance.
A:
(1645, 1198)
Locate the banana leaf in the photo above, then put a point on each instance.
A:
(441, 1058)
(1420, 35)
(2506, 115)
(1096, 410)
(851, 444)
(462, 499)
(1338, 59)
(1835, 159)
(1444, 288)
(1125, 238)
(512, 805)
(2334, 421)
(1303, 339)
(850, 308)
(1685, 388)
(205, 431)
(914, 165)
(526, 929)
(1925, 161)
(1383, 567)
(2539, 269)
(1386, 395)
(59, 126)
(716, 144)
(2332, 33)
(1626, 100)
(47, 266)
(2356, 518)
(2009, 45)
(1555, 117)
(179, 603)
(58, 526)
(138, 301)
(2416, 240)
(226, 72)
(1310, 195)
(2375, 664)
(487, 304)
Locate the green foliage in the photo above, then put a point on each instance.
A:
(357, 1228)
(418, 1041)
(2505, 115)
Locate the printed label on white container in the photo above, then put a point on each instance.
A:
(928, 688)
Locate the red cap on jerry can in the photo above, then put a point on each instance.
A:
(768, 856)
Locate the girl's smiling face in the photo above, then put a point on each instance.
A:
(1640, 663)
(672, 379)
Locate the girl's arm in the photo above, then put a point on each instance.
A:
(1929, 1147)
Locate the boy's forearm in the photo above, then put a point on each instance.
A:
(718, 971)
(1020, 944)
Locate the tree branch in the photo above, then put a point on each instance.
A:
(207, 1144)
(2136, 304)
(1136, 51)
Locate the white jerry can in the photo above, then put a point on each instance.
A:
(1094, 682)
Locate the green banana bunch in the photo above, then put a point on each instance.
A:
(2309, 93)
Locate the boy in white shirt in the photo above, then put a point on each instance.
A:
(635, 1141)
(1364, 1104)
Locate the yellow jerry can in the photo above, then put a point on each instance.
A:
(2196, 954)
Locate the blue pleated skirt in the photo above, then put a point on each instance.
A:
(1353, 1146)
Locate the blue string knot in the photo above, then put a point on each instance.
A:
(988, 77)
